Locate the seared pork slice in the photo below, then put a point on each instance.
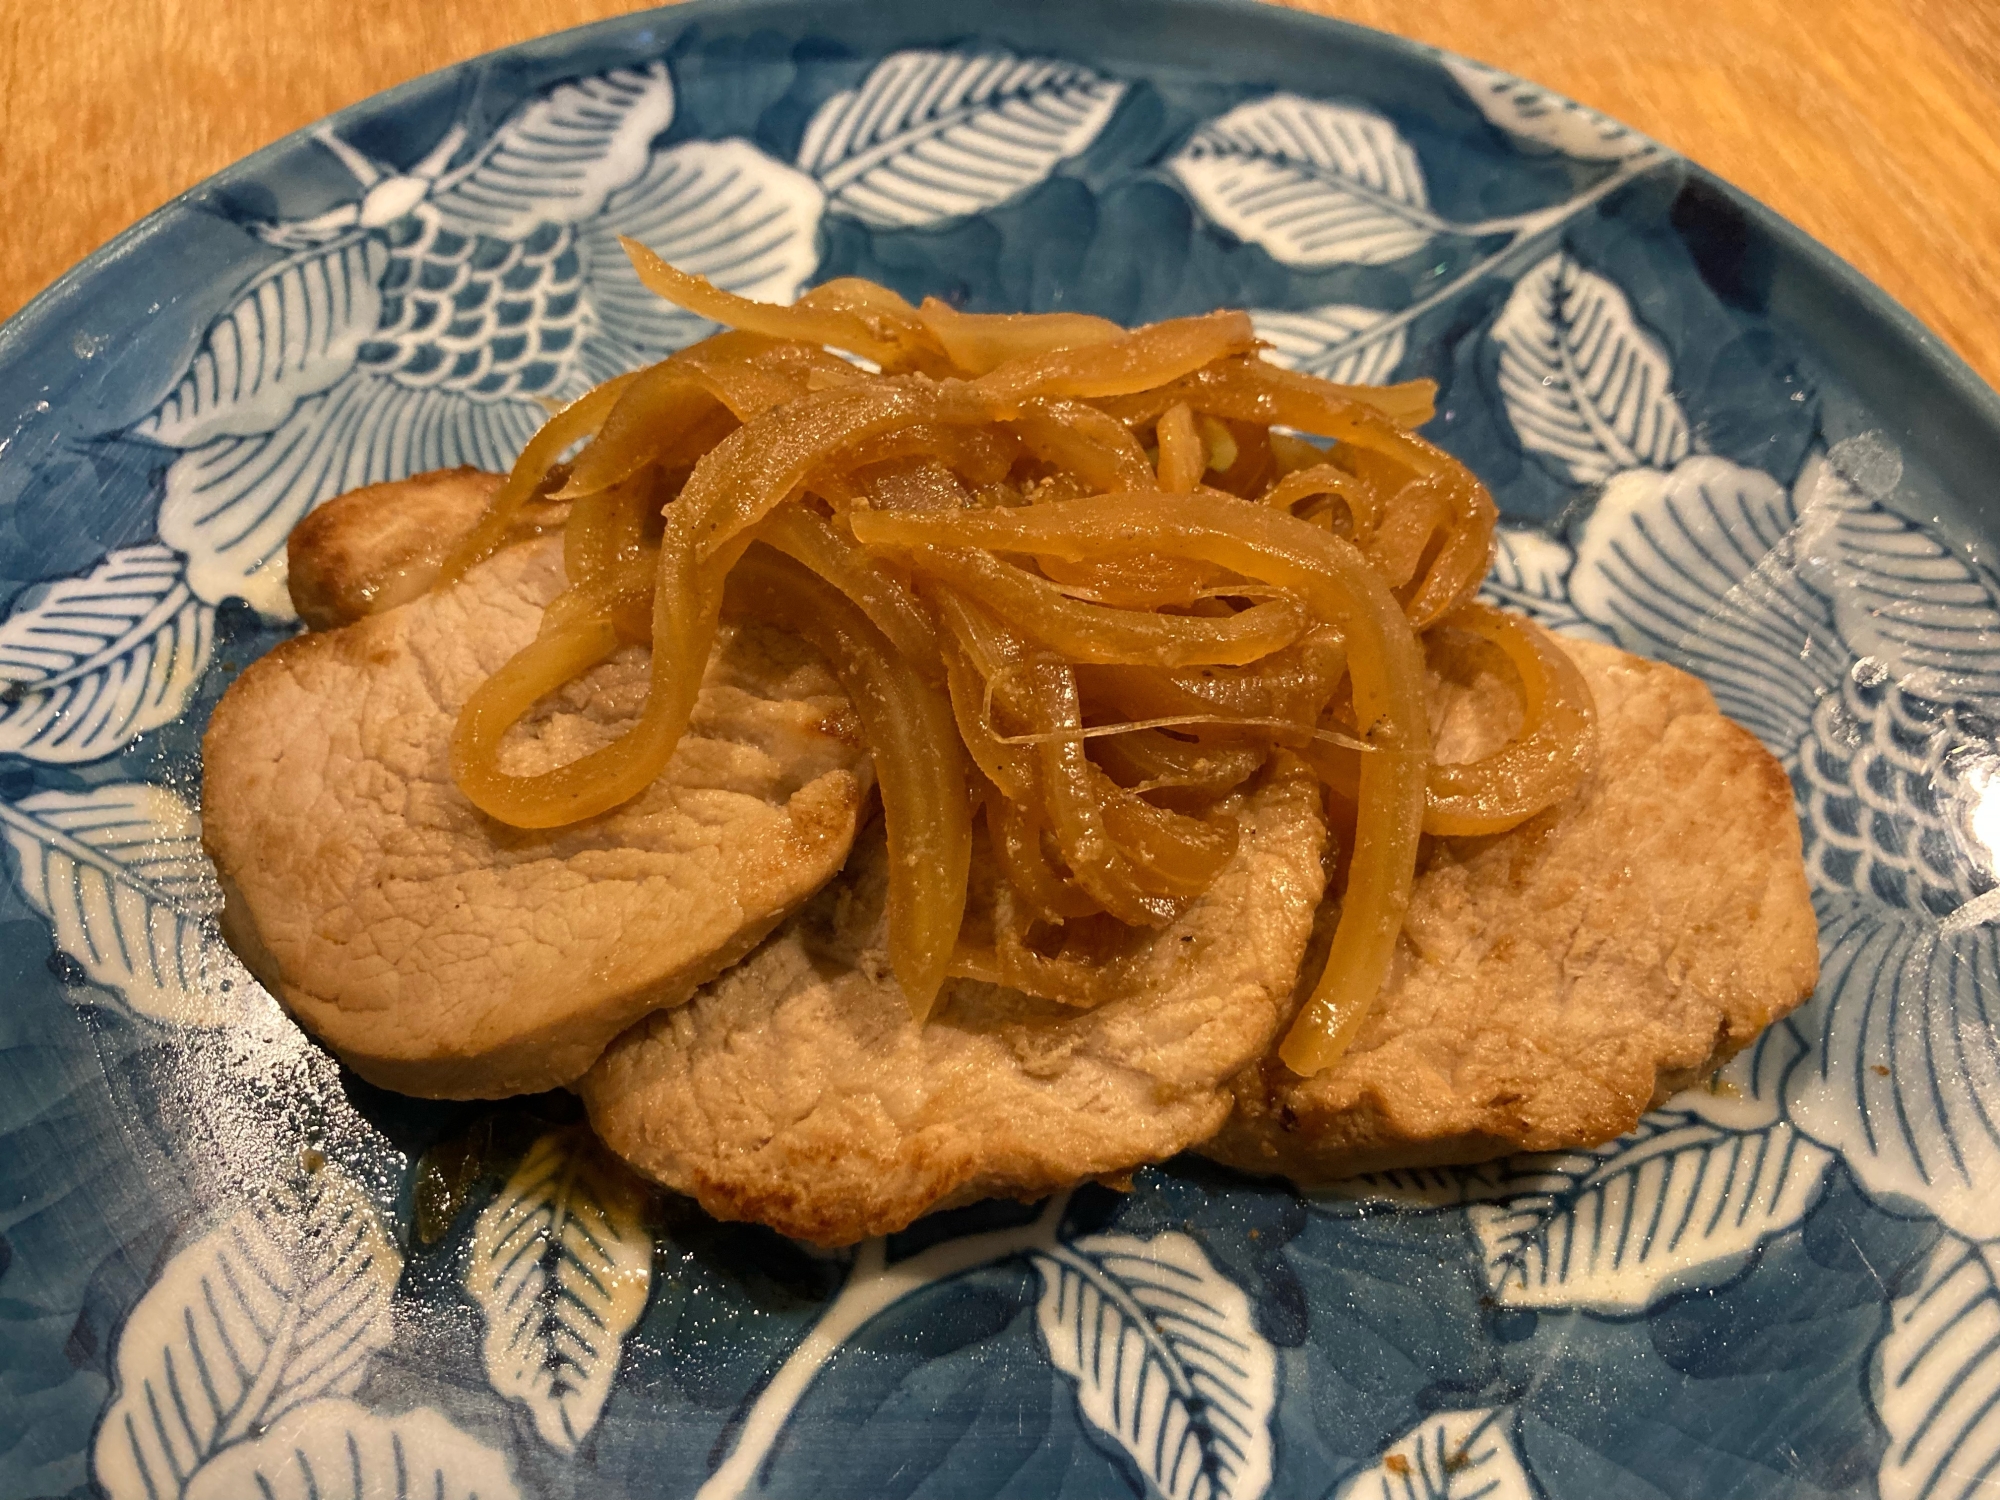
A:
(1557, 981)
(796, 1091)
(372, 549)
(441, 953)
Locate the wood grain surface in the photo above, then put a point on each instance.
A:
(1874, 124)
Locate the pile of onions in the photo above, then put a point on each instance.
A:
(1079, 581)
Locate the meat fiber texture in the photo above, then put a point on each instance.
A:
(1556, 981)
(439, 952)
(796, 1090)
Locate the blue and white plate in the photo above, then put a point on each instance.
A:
(228, 1269)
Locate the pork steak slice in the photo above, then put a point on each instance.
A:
(441, 953)
(1556, 981)
(796, 1091)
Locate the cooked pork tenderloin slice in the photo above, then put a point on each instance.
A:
(1557, 981)
(441, 953)
(796, 1091)
(372, 549)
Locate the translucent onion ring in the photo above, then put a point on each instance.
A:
(1544, 762)
(1086, 632)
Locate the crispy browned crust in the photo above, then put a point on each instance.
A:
(380, 546)
(1559, 980)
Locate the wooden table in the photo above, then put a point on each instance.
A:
(1875, 124)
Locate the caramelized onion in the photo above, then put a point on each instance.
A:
(1385, 670)
(978, 342)
(1086, 632)
(836, 326)
(1544, 761)
(918, 765)
(1079, 567)
(579, 420)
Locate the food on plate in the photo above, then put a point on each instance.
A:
(1558, 980)
(441, 953)
(373, 548)
(1022, 535)
(795, 1090)
(1148, 646)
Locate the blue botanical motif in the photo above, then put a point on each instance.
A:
(1694, 565)
(1934, 1379)
(1679, 1202)
(278, 1306)
(1587, 389)
(928, 136)
(414, 328)
(1457, 1455)
(1166, 1359)
(560, 1264)
(1333, 342)
(226, 1270)
(1538, 120)
(100, 659)
(1314, 184)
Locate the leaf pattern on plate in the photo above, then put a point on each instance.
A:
(280, 1304)
(294, 331)
(1531, 575)
(720, 209)
(1538, 118)
(1314, 184)
(1696, 567)
(930, 136)
(335, 1450)
(559, 157)
(1894, 789)
(1899, 595)
(1587, 389)
(873, 1284)
(230, 504)
(1456, 1455)
(560, 1264)
(96, 661)
(1903, 1076)
(1679, 1202)
(1337, 342)
(1166, 1359)
(120, 874)
(1935, 1379)
(418, 327)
